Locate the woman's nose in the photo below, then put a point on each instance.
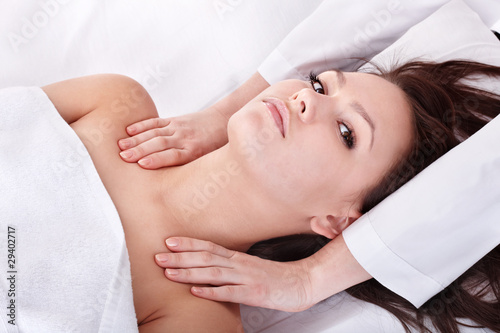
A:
(305, 105)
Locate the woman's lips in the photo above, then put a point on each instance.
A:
(279, 112)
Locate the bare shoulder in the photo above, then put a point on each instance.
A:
(120, 95)
(99, 108)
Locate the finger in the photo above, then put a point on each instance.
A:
(147, 124)
(137, 139)
(191, 260)
(165, 158)
(231, 293)
(206, 275)
(177, 244)
(156, 144)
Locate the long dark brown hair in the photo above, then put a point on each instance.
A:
(447, 109)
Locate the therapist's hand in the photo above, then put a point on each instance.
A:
(238, 277)
(156, 143)
(161, 142)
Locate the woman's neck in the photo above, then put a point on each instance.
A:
(212, 199)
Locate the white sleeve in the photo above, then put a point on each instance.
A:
(338, 30)
(438, 225)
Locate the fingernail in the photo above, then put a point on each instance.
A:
(172, 242)
(163, 258)
(125, 144)
(197, 290)
(126, 154)
(172, 272)
(145, 161)
(131, 129)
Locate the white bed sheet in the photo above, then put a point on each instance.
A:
(187, 54)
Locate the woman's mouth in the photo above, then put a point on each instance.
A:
(279, 112)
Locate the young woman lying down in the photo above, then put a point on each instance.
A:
(303, 157)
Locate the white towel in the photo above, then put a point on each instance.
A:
(71, 271)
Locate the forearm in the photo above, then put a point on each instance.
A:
(221, 111)
(334, 269)
(228, 105)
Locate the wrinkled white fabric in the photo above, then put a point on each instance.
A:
(71, 269)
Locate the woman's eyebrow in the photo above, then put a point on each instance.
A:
(341, 81)
(362, 112)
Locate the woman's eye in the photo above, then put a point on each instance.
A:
(316, 83)
(347, 135)
(318, 88)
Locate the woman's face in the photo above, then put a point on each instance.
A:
(321, 143)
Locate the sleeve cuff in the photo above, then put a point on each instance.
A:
(386, 266)
(277, 68)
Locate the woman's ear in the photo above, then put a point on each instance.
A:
(331, 226)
